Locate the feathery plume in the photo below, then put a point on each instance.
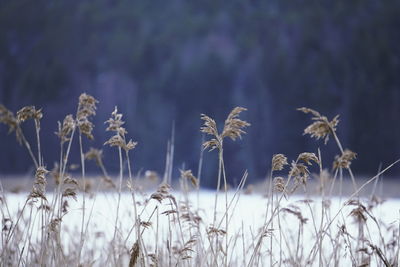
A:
(233, 128)
(299, 172)
(87, 106)
(344, 161)
(65, 129)
(29, 112)
(307, 157)
(215, 231)
(86, 109)
(187, 174)
(130, 145)
(94, 154)
(359, 213)
(38, 190)
(7, 117)
(210, 127)
(296, 212)
(68, 180)
(115, 140)
(115, 125)
(134, 254)
(279, 184)
(70, 192)
(321, 127)
(278, 162)
(54, 224)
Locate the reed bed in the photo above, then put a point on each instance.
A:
(77, 224)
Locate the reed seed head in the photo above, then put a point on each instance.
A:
(70, 192)
(94, 154)
(278, 162)
(86, 109)
(54, 225)
(130, 145)
(118, 141)
(307, 157)
(344, 161)
(234, 126)
(115, 123)
(65, 206)
(115, 140)
(210, 127)
(29, 112)
(162, 193)
(36, 193)
(135, 251)
(187, 174)
(215, 231)
(40, 176)
(359, 212)
(7, 117)
(65, 130)
(321, 128)
(145, 224)
(68, 180)
(86, 128)
(86, 106)
(300, 172)
(169, 212)
(153, 259)
(279, 184)
(297, 213)
(212, 144)
(38, 190)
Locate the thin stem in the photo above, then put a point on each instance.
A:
(216, 200)
(398, 242)
(27, 145)
(37, 127)
(322, 205)
(16, 223)
(328, 225)
(342, 151)
(272, 222)
(218, 186)
(226, 208)
(199, 169)
(83, 196)
(265, 227)
(119, 193)
(133, 191)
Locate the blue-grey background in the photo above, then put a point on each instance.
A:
(163, 63)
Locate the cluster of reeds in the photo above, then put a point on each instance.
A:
(166, 228)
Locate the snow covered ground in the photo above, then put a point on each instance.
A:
(295, 232)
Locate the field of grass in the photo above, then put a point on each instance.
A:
(115, 222)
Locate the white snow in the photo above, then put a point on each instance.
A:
(248, 216)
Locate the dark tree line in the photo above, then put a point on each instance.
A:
(166, 62)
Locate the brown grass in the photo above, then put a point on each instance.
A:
(166, 231)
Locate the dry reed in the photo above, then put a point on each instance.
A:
(165, 230)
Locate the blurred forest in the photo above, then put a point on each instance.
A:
(166, 62)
